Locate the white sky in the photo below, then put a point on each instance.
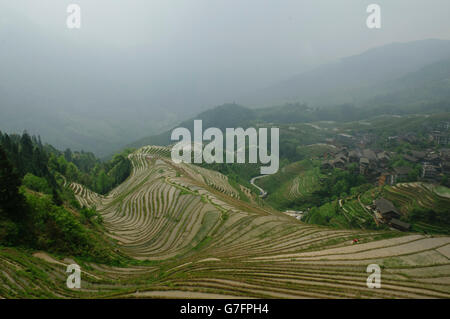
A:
(273, 38)
(224, 48)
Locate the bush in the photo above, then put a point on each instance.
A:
(90, 215)
(55, 229)
(9, 232)
(420, 214)
(37, 184)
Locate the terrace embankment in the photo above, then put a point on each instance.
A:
(191, 236)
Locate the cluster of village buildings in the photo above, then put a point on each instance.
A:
(375, 164)
(383, 210)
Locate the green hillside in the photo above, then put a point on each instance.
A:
(185, 234)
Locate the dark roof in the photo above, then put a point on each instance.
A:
(327, 163)
(430, 168)
(402, 170)
(339, 160)
(418, 154)
(383, 155)
(399, 223)
(433, 156)
(364, 160)
(384, 206)
(370, 154)
(410, 158)
(341, 155)
(353, 154)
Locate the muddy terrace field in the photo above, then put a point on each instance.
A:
(192, 237)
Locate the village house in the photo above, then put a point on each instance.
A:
(339, 163)
(363, 165)
(354, 156)
(383, 158)
(445, 154)
(445, 164)
(410, 138)
(446, 168)
(370, 155)
(386, 213)
(444, 126)
(433, 158)
(387, 178)
(400, 225)
(420, 156)
(430, 172)
(385, 210)
(328, 164)
(410, 158)
(402, 173)
(441, 138)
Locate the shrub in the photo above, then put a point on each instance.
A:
(36, 183)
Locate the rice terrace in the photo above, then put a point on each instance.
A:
(192, 237)
(173, 154)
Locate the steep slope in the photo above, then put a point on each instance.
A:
(194, 238)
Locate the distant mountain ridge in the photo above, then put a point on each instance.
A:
(429, 83)
(69, 111)
(424, 90)
(355, 78)
(223, 116)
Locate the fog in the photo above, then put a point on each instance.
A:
(139, 66)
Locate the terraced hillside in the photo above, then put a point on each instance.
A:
(190, 236)
(292, 182)
(430, 200)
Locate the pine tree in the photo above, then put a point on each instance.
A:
(12, 203)
(26, 154)
(68, 155)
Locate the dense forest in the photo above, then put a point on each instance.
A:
(37, 210)
(29, 156)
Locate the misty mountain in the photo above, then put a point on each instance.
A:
(98, 98)
(424, 91)
(430, 83)
(223, 116)
(355, 78)
(90, 97)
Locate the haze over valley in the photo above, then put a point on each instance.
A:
(117, 79)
